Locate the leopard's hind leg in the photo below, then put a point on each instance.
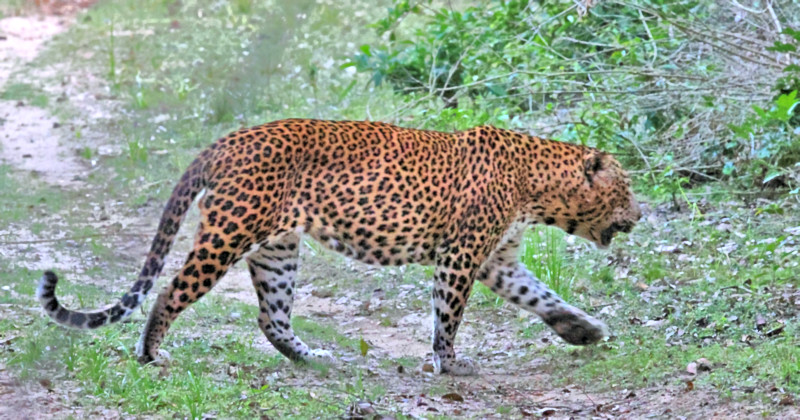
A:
(213, 254)
(273, 268)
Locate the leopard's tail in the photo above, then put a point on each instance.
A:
(189, 186)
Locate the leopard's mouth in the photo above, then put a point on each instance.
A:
(608, 233)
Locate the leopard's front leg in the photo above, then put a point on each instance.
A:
(452, 284)
(512, 281)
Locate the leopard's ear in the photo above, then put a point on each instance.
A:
(593, 163)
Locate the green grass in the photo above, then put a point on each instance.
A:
(699, 301)
(101, 362)
(217, 374)
(25, 201)
(221, 69)
(316, 332)
(543, 254)
(25, 93)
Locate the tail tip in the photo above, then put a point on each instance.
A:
(47, 285)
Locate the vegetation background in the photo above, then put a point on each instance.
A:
(102, 105)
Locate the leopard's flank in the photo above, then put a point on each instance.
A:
(383, 195)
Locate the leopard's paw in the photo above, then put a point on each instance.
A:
(462, 366)
(162, 358)
(319, 356)
(577, 328)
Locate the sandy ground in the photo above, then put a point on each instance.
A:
(29, 140)
(30, 143)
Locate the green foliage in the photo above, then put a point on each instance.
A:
(766, 143)
(616, 76)
(26, 93)
(523, 58)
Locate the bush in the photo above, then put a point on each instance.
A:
(667, 85)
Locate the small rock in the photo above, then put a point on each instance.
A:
(323, 293)
(703, 364)
(667, 249)
(692, 368)
(760, 322)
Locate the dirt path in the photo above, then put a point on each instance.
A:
(32, 141)
(29, 140)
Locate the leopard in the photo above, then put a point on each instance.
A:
(384, 195)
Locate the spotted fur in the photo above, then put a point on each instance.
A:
(383, 195)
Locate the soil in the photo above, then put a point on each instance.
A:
(29, 139)
(33, 143)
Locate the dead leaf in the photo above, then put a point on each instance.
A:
(322, 294)
(46, 383)
(452, 396)
(641, 286)
(427, 367)
(654, 323)
(786, 400)
(689, 385)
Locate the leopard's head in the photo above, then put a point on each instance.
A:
(594, 201)
(605, 203)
